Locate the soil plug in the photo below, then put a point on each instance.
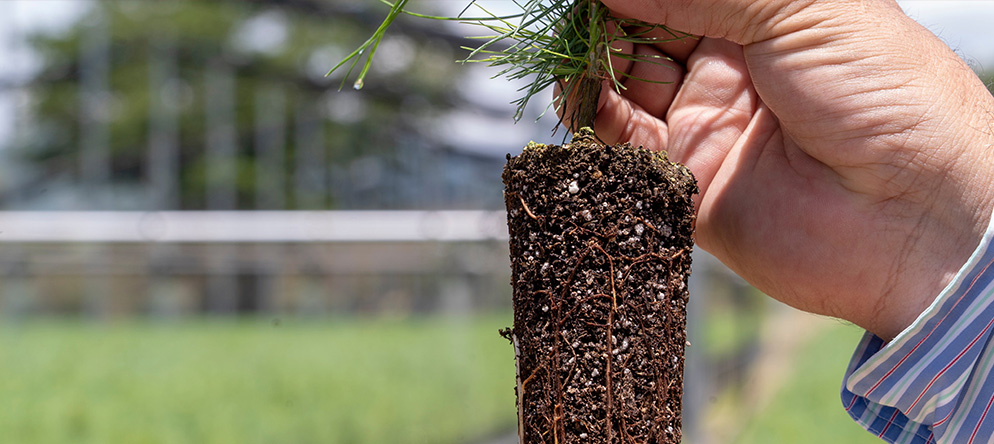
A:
(600, 242)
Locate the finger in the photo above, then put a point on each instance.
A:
(619, 119)
(652, 81)
(742, 21)
(675, 44)
(712, 109)
(678, 49)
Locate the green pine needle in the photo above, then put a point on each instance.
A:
(371, 45)
(549, 41)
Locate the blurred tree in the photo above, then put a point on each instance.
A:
(191, 104)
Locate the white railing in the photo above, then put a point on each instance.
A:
(251, 226)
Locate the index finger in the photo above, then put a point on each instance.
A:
(672, 43)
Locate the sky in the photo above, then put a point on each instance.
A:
(965, 25)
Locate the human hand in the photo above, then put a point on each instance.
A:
(844, 154)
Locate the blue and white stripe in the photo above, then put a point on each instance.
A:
(934, 383)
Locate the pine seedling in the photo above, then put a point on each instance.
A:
(600, 236)
(567, 42)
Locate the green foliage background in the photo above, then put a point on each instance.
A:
(256, 381)
(391, 115)
(807, 408)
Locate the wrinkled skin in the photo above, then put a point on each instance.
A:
(844, 153)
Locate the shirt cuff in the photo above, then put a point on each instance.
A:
(907, 390)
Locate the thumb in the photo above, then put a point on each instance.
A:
(741, 21)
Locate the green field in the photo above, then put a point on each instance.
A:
(807, 408)
(333, 381)
(422, 381)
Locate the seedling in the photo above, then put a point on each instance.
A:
(554, 41)
(600, 236)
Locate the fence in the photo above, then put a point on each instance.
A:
(175, 263)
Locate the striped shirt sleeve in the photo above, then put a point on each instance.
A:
(934, 383)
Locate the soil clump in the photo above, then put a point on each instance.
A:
(600, 243)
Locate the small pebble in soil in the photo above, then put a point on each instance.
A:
(574, 187)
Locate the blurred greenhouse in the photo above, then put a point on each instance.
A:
(141, 109)
(203, 240)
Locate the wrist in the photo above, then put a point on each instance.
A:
(937, 247)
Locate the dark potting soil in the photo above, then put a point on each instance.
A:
(600, 246)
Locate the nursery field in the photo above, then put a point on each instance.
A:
(255, 381)
(325, 381)
(807, 407)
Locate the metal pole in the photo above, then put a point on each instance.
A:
(163, 145)
(270, 189)
(221, 192)
(270, 148)
(94, 137)
(162, 169)
(310, 193)
(219, 98)
(310, 185)
(94, 151)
